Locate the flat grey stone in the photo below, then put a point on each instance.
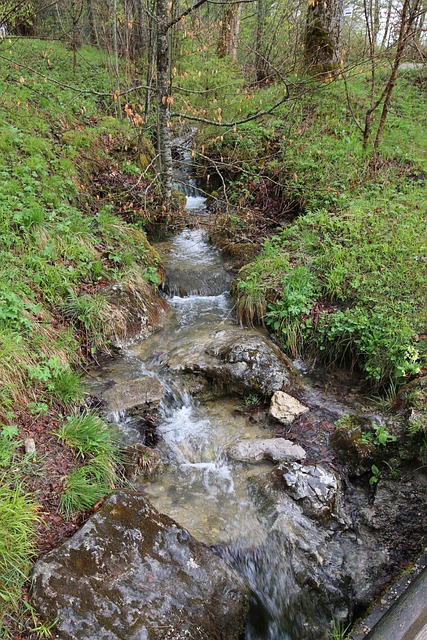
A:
(131, 396)
(274, 449)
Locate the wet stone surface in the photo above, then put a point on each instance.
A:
(133, 574)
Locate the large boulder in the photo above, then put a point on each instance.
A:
(274, 449)
(236, 360)
(329, 560)
(133, 574)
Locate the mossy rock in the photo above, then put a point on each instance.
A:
(146, 153)
(350, 447)
(413, 410)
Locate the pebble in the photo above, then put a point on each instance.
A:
(30, 446)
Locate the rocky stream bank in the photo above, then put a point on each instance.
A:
(313, 539)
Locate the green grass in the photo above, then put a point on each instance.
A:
(62, 244)
(97, 448)
(346, 281)
(18, 516)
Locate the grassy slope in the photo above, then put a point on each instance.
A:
(61, 242)
(348, 279)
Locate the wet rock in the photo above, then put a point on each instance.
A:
(140, 460)
(314, 486)
(398, 515)
(133, 396)
(203, 282)
(274, 449)
(327, 560)
(410, 422)
(285, 408)
(246, 362)
(131, 573)
(347, 442)
(136, 312)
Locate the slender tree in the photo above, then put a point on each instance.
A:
(164, 100)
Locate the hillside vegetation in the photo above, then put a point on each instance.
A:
(66, 235)
(342, 275)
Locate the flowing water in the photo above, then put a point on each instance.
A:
(213, 497)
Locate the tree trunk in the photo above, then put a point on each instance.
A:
(323, 35)
(116, 57)
(163, 103)
(408, 19)
(229, 30)
(93, 33)
(260, 62)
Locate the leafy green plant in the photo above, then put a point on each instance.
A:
(376, 475)
(252, 398)
(379, 436)
(59, 380)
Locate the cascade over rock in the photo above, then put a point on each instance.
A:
(131, 573)
(334, 561)
(136, 312)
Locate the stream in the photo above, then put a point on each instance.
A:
(256, 496)
(216, 499)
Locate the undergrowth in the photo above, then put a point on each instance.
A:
(65, 238)
(346, 280)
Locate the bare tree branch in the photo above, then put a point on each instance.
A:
(254, 116)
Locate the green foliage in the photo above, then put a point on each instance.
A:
(89, 436)
(376, 475)
(378, 436)
(18, 514)
(289, 314)
(353, 289)
(58, 380)
(340, 631)
(85, 486)
(96, 445)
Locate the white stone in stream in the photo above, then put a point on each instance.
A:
(274, 449)
(285, 408)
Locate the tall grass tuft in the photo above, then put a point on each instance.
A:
(18, 515)
(97, 448)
